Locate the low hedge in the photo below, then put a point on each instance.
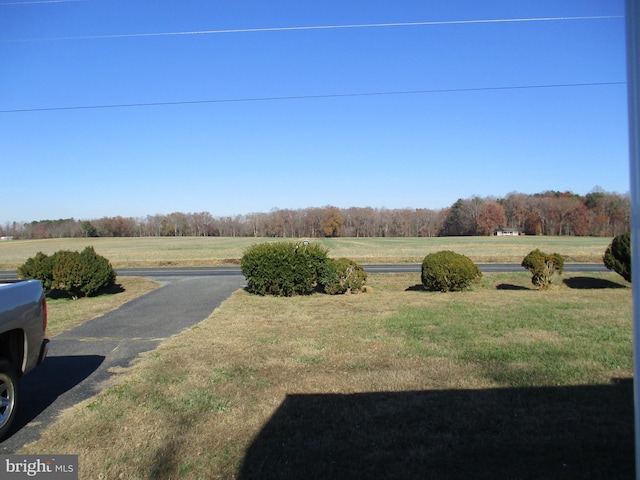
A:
(283, 268)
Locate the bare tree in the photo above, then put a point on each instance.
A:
(547, 213)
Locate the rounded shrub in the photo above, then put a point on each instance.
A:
(97, 272)
(341, 276)
(543, 266)
(447, 271)
(67, 272)
(617, 256)
(39, 267)
(283, 268)
(80, 274)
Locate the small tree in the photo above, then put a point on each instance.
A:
(543, 266)
(88, 229)
(448, 271)
(617, 256)
(332, 223)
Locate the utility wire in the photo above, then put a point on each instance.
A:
(316, 27)
(39, 1)
(310, 97)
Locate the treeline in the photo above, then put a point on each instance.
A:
(598, 213)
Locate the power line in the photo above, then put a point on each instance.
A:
(310, 97)
(39, 1)
(316, 27)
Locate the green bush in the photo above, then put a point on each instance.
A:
(283, 268)
(341, 276)
(447, 271)
(67, 272)
(97, 272)
(543, 266)
(40, 268)
(79, 274)
(617, 256)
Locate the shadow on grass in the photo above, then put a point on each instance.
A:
(57, 294)
(589, 283)
(416, 288)
(513, 433)
(509, 286)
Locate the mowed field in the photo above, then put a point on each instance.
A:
(207, 251)
(502, 381)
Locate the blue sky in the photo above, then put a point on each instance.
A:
(256, 146)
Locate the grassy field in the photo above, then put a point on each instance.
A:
(499, 382)
(205, 251)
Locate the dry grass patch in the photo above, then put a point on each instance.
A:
(210, 251)
(393, 384)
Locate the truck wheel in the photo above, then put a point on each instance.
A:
(8, 395)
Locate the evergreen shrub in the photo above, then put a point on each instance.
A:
(341, 276)
(39, 267)
(617, 256)
(543, 266)
(447, 271)
(67, 272)
(283, 268)
(79, 274)
(97, 272)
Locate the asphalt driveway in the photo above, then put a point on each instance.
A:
(82, 360)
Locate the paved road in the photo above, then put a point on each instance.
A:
(81, 360)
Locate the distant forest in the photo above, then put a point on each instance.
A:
(598, 213)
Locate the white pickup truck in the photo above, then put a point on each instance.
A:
(23, 342)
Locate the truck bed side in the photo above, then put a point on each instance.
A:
(22, 323)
